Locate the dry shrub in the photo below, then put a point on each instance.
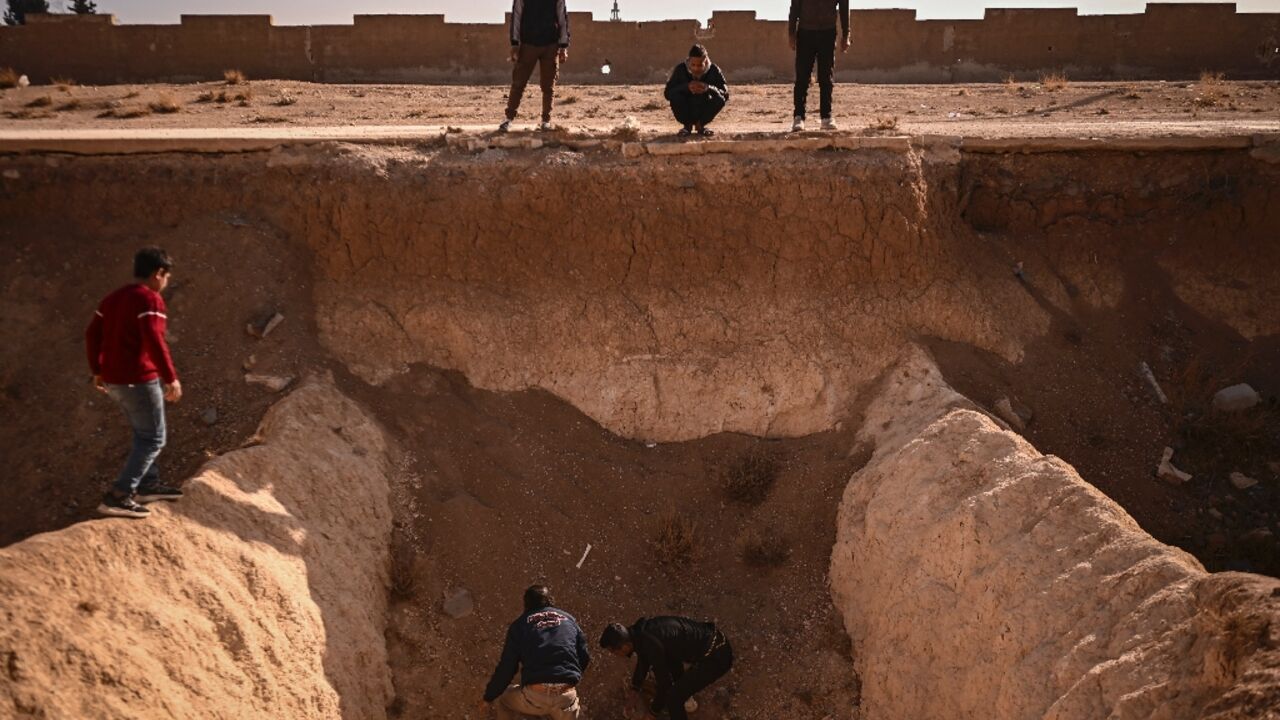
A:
(164, 105)
(63, 84)
(285, 101)
(569, 100)
(234, 77)
(751, 477)
(404, 582)
(1212, 89)
(207, 96)
(618, 98)
(244, 97)
(884, 124)
(9, 77)
(72, 104)
(1241, 636)
(675, 544)
(764, 548)
(42, 101)
(651, 105)
(1053, 82)
(132, 94)
(125, 113)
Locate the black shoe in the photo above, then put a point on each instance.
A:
(684, 131)
(121, 507)
(152, 493)
(706, 132)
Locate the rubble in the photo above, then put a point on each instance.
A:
(1236, 398)
(1167, 472)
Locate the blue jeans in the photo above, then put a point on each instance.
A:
(143, 406)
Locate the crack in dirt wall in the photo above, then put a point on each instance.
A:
(260, 594)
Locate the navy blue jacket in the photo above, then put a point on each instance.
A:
(548, 647)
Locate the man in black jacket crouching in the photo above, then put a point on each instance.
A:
(551, 652)
(697, 92)
(685, 656)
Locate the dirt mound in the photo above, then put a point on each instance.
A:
(968, 563)
(260, 594)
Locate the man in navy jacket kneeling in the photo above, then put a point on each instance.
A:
(549, 649)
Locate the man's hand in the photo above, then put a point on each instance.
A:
(792, 40)
(562, 54)
(844, 43)
(173, 391)
(697, 87)
(99, 384)
(515, 53)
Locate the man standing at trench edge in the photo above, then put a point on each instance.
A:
(129, 358)
(811, 29)
(539, 36)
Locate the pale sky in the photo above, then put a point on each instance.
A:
(313, 12)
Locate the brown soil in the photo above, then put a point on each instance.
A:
(500, 490)
(1018, 109)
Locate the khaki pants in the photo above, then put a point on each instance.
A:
(518, 702)
(548, 62)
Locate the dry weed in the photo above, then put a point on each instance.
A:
(207, 96)
(63, 84)
(72, 104)
(132, 94)
(164, 105)
(42, 101)
(285, 101)
(244, 97)
(1053, 82)
(751, 477)
(125, 113)
(9, 77)
(651, 105)
(404, 582)
(234, 77)
(569, 100)
(764, 548)
(675, 544)
(884, 124)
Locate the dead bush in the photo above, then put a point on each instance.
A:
(765, 548)
(164, 105)
(882, 125)
(125, 113)
(63, 84)
(244, 97)
(9, 77)
(404, 582)
(285, 101)
(234, 77)
(675, 544)
(569, 100)
(42, 101)
(72, 104)
(751, 477)
(1053, 82)
(651, 105)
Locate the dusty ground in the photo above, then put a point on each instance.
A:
(1106, 108)
(500, 490)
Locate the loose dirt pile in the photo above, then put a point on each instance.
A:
(260, 594)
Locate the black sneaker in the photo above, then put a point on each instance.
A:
(684, 131)
(121, 507)
(152, 493)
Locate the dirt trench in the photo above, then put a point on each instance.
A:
(569, 348)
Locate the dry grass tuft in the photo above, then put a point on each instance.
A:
(285, 101)
(234, 77)
(751, 477)
(72, 104)
(164, 105)
(675, 544)
(125, 113)
(244, 97)
(764, 548)
(9, 77)
(132, 94)
(404, 582)
(42, 101)
(884, 124)
(1053, 82)
(208, 96)
(651, 105)
(63, 84)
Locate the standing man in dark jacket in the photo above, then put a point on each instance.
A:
(811, 28)
(539, 36)
(697, 92)
(666, 645)
(551, 652)
(130, 361)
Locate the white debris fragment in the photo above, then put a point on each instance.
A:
(585, 553)
(1236, 397)
(1145, 370)
(1242, 481)
(1168, 472)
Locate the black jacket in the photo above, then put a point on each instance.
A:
(664, 642)
(547, 645)
(678, 85)
(539, 22)
(817, 15)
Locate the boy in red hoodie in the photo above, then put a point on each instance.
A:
(130, 362)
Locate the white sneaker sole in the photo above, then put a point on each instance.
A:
(109, 511)
(144, 499)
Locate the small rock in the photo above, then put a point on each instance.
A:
(1275, 467)
(1004, 408)
(262, 330)
(209, 416)
(24, 81)
(459, 604)
(249, 362)
(274, 383)
(1167, 472)
(1236, 398)
(1215, 513)
(12, 174)
(1242, 481)
(1259, 536)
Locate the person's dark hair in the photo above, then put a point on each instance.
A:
(150, 259)
(537, 597)
(697, 51)
(614, 636)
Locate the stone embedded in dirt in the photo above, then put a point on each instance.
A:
(459, 604)
(1168, 472)
(209, 416)
(261, 330)
(1275, 467)
(1007, 412)
(274, 383)
(1215, 513)
(249, 362)
(1242, 481)
(12, 174)
(1236, 398)
(1257, 536)
(24, 81)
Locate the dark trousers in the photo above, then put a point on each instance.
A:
(688, 683)
(697, 109)
(811, 46)
(545, 57)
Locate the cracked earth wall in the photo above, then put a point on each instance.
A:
(260, 594)
(969, 564)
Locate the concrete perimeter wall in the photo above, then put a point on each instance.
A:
(1167, 41)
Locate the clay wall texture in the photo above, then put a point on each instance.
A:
(1167, 41)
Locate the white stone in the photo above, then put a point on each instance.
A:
(1004, 408)
(1168, 472)
(1242, 481)
(459, 604)
(274, 383)
(1235, 398)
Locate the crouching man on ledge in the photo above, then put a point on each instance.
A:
(697, 92)
(551, 652)
(684, 655)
